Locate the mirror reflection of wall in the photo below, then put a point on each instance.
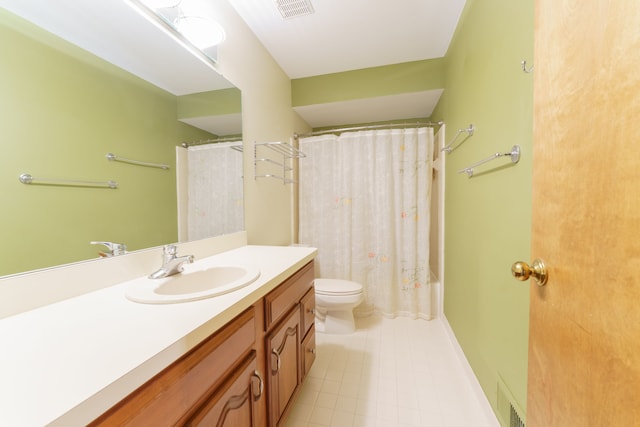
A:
(62, 110)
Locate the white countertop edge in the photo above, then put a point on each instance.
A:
(276, 264)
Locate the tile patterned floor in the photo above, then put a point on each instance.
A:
(390, 372)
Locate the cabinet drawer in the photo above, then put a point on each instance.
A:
(279, 301)
(308, 306)
(172, 393)
(308, 351)
(234, 404)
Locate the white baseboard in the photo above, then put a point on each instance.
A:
(492, 419)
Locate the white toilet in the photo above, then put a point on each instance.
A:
(335, 301)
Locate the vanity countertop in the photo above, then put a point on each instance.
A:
(68, 362)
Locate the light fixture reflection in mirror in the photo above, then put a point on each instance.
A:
(202, 32)
(182, 20)
(161, 4)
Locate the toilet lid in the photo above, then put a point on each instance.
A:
(337, 287)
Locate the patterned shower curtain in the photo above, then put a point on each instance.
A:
(365, 204)
(215, 204)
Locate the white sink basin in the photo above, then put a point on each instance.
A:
(192, 285)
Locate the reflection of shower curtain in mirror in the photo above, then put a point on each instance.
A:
(365, 204)
(215, 204)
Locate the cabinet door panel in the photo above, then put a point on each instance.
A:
(283, 346)
(234, 404)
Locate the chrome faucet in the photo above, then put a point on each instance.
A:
(115, 249)
(171, 263)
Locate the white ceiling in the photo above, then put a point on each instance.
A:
(344, 35)
(352, 34)
(341, 35)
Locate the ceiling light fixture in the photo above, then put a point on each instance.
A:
(200, 35)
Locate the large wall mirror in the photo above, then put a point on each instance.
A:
(81, 80)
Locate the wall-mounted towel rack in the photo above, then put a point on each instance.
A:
(113, 157)
(287, 151)
(26, 178)
(514, 154)
(449, 147)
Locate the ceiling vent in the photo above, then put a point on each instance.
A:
(294, 8)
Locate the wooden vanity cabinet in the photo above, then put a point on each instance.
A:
(246, 374)
(289, 318)
(175, 393)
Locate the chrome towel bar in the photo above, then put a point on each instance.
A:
(26, 178)
(113, 157)
(514, 154)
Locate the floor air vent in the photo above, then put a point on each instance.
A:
(294, 8)
(514, 418)
(508, 412)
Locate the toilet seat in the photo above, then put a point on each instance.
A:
(337, 287)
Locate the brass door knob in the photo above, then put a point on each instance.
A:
(522, 271)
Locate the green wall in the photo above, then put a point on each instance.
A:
(488, 217)
(215, 102)
(407, 77)
(61, 111)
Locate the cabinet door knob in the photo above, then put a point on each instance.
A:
(312, 350)
(312, 310)
(256, 376)
(275, 352)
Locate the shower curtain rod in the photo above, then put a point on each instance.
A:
(387, 126)
(212, 141)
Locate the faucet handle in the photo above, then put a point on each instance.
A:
(171, 250)
(115, 249)
(119, 249)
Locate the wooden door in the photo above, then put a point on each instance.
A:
(584, 343)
